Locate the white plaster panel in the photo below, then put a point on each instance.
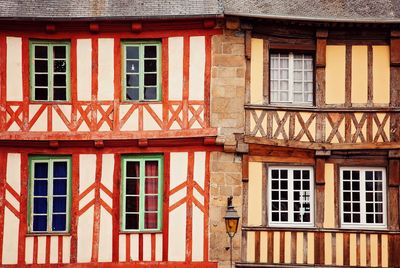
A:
(14, 171)
(86, 199)
(14, 202)
(198, 235)
(133, 122)
(197, 60)
(199, 172)
(14, 69)
(106, 198)
(57, 123)
(177, 196)
(54, 249)
(175, 68)
(159, 244)
(29, 249)
(106, 69)
(146, 247)
(10, 238)
(149, 123)
(177, 235)
(84, 69)
(85, 236)
(178, 168)
(41, 257)
(107, 171)
(134, 247)
(105, 237)
(87, 171)
(198, 196)
(14, 127)
(122, 246)
(41, 122)
(66, 249)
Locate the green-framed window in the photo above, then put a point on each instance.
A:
(141, 75)
(50, 70)
(142, 193)
(49, 194)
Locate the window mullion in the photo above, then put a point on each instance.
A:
(291, 74)
(142, 195)
(50, 70)
(141, 72)
(290, 195)
(50, 196)
(123, 193)
(362, 197)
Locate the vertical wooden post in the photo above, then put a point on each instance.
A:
(393, 207)
(394, 84)
(320, 64)
(247, 52)
(245, 185)
(319, 244)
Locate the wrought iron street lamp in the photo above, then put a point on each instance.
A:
(231, 222)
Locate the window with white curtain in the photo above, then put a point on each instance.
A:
(292, 78)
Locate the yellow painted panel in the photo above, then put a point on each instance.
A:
(263, 246)
(359, 74)
(381, 74)
(385, 252)
(255, 196)
(276, 247)
(288, 247)
(374, 249)
(299, 248)
(310, 248)
(329, 211)
(339, 249)
(311, 128)
(256, 73)
(363, 249)
(335, 74)
(251, 247)
(353, 249)
(328, 248)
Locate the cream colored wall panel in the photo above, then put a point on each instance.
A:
(41, 251)
(14, 171)
(199, 171)
(132, 124)
(66, 249)
(353, 248)
(198, 196)
(177, 196)
(14, 69)
(177, 235)
(86, 199)
(84, 69)
(381, 74)
(263, 246)
(122, 247)
(107, 171)
(197, 60)
(85, 236)
(363, 249)
(175, 67)
(277, 254)
(339, 249)
(299, 247)
(105, 236)
(134, 254)
(10, 239)
(335, 74)
(374, 249)
(385, 251)
(87, 171)
(329, 204)
(178, 169)
(256, 71)
(359, 74)
(106, 69)
(54, 249)
(57, 123)
(310, 248)
(41, 122)
(149, 123)
(288, 247)
(250, 247)
(198, 235)
(146, 247)
(29, 250)
(328, 247)
(159, 245)
(255, 194)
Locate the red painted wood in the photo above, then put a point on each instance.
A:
(3, 163)
(95, 84)
(140, 247)
(166, 205)
(206, 204)
(207, 79)
(189, 208)
(23, 208)
(128, 248)
(75, 207)
(35, 249)
(117, 83)
(137, 264)
(153, 247)
(185, 95)
(25, 82)
(3, 82)
(116, 207)
(164, 79)
(96, 214)
(48, 249)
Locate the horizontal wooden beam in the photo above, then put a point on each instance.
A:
(323, 110)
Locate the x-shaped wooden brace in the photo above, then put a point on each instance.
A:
(196, 115)
(380, 131)
(84, 116)
(258, 121)
(281, 125)
(105, 115)
(335, 128)
(127, 115)
(174, 116)
(37, 115)
(358, 126)
(63, 117)
(154, 115)
(304, 127)
(14, 116)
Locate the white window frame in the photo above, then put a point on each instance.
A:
(291, 70)
(291, 222)
(363, 223)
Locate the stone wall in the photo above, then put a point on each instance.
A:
(227, 114)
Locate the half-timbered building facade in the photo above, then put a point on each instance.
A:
(322, 173)
(105, 134)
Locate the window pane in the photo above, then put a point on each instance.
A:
(132, 204)
(151, 185)
(40, 188)
(132, 186)
(132, 93)
(275, 216)
(41, 80)
(41, 52)
(132, 66)
(150, 79)
(132, 52)
(60, 187)
(41, 170)
(150, 51)
(60, 66)
(41, 66)
(39, 223)
(150, 65)
(59, 222)
(41, 94)
(60, 169)
(284, 96)
(150, 93)
(132, 221)
(132, 80)
(60, 80)
(132, 169)
(284, 216)
(59, 204)
(40, 205)
(60, 52)
(150, 220)
(151, 203)
(60, 94)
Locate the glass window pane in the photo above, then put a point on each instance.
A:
(132, 80)
(150, 220)
(150, 65)
(41, 170)
(151, 168)
(39, 223)
(40, 188)
(60, 80)
(132, 66)
(60, 52)
(150, 93)
(275, 216)
(284, 86)
(284, 96)
(41, 80)
(151, 203)
(41, 52)
(132, 169)
(132, 204)
(379, 218)
(132, 93)
(132, 52)
(60, 66)
(132, 186)
(60, 187)
(150, 79)
(151, 185)
(347, 217)
(150, 51)
(41, 94)
(59, 222)
(60, 93)
(132, 221)
(275, 173)
(284, 174)
(41, 66)
(39, 205)
(284, 217)
(59, 204)
(60, 169)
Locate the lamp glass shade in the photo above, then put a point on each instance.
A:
(231, 225)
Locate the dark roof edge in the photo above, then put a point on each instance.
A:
(114, 18)
(315, 19)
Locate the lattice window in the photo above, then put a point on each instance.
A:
(292, 78)
(141, 71)
(363, 197)
(142, 193)
(49, 194)
(50, 70)
(291, 196)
